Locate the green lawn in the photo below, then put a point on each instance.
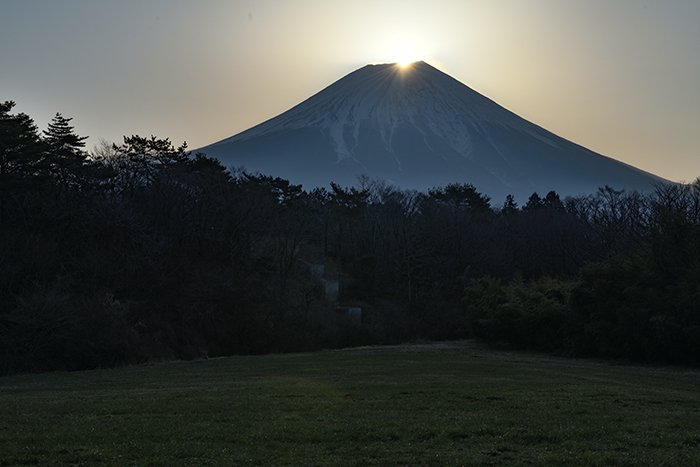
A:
(443, 404)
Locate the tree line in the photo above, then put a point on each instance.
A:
(142, 250)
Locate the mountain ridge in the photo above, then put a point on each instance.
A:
(417, 128)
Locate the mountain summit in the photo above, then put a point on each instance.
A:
(417, 127)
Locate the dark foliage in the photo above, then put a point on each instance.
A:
(641, 302)
(143, 250)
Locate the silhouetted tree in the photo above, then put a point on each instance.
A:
(509, 205)
(552, 201)
(462, 195)
(63, 145)
(21, 148)
(533, 202)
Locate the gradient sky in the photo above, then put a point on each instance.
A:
(621, 77)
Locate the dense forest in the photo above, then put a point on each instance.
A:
(141, 250)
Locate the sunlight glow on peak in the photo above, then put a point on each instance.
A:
(405, 54)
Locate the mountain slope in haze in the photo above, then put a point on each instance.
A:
(417, 128)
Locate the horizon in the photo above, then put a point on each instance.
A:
(624, 89)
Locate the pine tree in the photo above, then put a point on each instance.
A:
(65, 148)
(553, 201)
(463, 195)
(509, 205)
(533, 202)
(148, 158)
(21, 149)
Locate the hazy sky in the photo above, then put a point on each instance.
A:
(621, 77)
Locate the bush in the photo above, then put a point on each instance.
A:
(533, 315)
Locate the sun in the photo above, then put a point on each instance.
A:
(401, 48)
(405, 54)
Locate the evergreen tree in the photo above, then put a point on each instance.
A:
(552, 201)
(533, 202)
(147, 158)
(21, 153)
(20, 144)
(463, 195)
(509, 205)
(65, 148)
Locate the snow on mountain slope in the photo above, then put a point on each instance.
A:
(417, 127)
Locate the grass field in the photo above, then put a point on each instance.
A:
(442, 404)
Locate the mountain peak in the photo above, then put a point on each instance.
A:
(418, 127)
(399, 64)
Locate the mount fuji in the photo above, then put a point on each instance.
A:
(417, 128)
